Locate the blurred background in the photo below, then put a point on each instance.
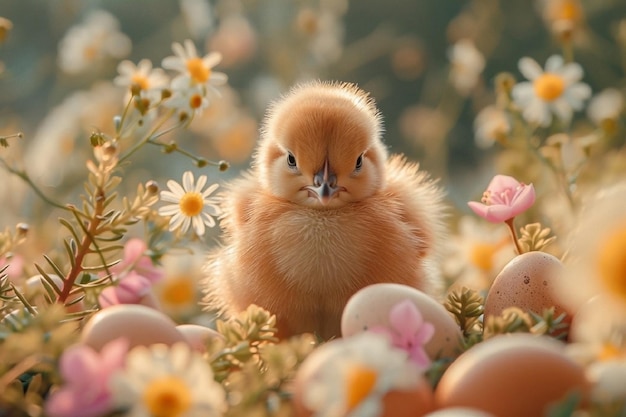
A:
(431, 65)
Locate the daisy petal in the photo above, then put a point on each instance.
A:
(529, 68)
(554, 63)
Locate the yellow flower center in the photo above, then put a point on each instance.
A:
(167, 396)
(191, 204)
(549, 86)
(178, 291)
(139, 82)
(360, 381)
(198, 71)
(481, 254)
(568, 10)
(195, 101)
(612, 262)
(609, 352)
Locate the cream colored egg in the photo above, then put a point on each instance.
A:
(597, 318)
(371, 305)
(514, 375)
(528, 281)
(139, 324)
(198, 336)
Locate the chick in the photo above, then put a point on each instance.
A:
(323, 212)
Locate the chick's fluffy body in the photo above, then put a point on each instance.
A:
(300, 258)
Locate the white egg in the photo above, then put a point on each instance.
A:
(370, 307)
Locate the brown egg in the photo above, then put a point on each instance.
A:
(198, 336)
(370, 307)
(414, 402)
(528, 281)
(514, 375)
(139, 324)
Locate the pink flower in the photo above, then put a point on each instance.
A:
(409, 332)
(136, 260)
(86, 374)
(504, 199)
(130, 289)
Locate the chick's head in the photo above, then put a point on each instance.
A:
(321, 146)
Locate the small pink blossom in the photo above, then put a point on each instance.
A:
(409, 332)
(504, 199)
(86, 374)
(131, 289)
(136, 260)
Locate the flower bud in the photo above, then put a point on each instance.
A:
(152, 187)
(224, 166)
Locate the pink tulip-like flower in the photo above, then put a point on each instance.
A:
(86, 374)
(409, 332)
(130, 289)
(136, 260)
(504, 199)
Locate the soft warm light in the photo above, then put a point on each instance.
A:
(191, 204)
(168, 396)
(360, 381)
(178, 291)
(482, 253)
(612, 261)
(549, 86)
(199, 72)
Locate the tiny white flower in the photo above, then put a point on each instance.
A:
(467, 65)
(162, 380)
(491, 124)
(556, 90)
(87, 44)
(355, 375)
(190, 99)
(191, 206)
(142, 79)
(606, 106)
(199, 71)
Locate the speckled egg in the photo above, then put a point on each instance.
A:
(528, 281)
(139, 324)
(370, 307)
(198, 336)
(514, 375)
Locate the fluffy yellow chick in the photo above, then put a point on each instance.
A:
(323, 212)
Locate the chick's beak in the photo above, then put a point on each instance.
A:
(324, 185)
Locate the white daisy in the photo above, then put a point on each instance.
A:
(191, 206)
(467, 65)
(197, 70)
(355, 374)
(190, 99)
(87, 44)
(142, 79)
(167, 381)
(606, 106)
(596, 262)
(556, 90)
(491, 124)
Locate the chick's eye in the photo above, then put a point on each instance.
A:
(291, 160)
(359, 163)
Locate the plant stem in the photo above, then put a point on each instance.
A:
(511, 226)
(85, 244)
